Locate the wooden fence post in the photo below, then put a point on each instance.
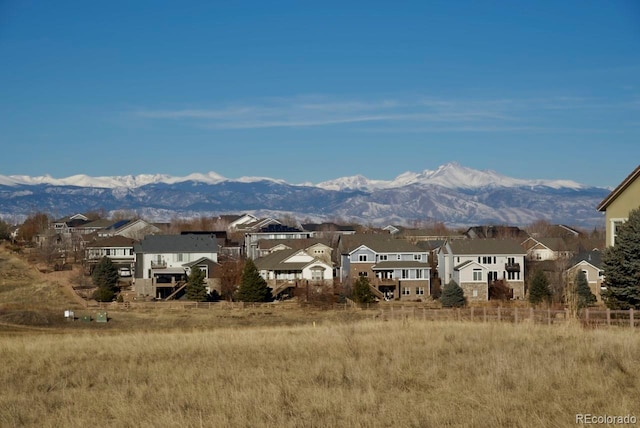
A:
(631, 318)
(424, 314)
(608, 316)
(499, 313)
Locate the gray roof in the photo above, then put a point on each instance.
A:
(113, 241)
(379, 244)
(479, 247)
(592, 257)
(177, 244)
(400, 265)
(300, 244)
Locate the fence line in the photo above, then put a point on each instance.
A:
(588, 317)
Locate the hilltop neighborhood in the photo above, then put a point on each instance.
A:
(299, 259)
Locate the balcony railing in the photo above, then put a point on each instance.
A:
(512, 267)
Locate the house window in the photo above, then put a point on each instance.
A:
(317, 274)
(362, 258)
(615, 225)
(399, 257)
(477, 275)
(418, 273)
(458, 259)
(406, 291)
(383, 257)
(475, 293)
(405, 273)
(538, 256)
(586, 274)
(108, 251)
(180, 257)
(417, 257)
(420, 291)
(363, 273)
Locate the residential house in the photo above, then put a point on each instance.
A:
(292, 268)
(495, 232)
(396, 268)
(589, 262)
(317, 247)
(134, 229)
(542, 249)
(163, 262)
(475, 263)
(619, 203)
(118, 249)
(272, 231)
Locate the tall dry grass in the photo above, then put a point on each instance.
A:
(371, 373)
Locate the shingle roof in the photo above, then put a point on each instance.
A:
(177, 244)
(112, 241)
(485, 246)
(592, 257)
(379, 244)
(275, 261)
(400, 265)
(299, 244)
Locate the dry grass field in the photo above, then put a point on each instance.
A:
(214, 368)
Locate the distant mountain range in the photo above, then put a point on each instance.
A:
(453, 194)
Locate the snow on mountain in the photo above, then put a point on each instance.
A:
(451, 176)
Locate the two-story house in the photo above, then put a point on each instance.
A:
(396, 268)
(163, 262)
(272, 231)
(118, 249)
(292, 268)
(619, 203)
(474, 263)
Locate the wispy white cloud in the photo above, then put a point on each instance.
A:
(314, 111)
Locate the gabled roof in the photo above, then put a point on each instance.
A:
(177, 244)
(200, 261)
(278, 261)
(553, 244)
(469, 263)
(479, 247)
(379, 244)
(594, 258)
(618, 190)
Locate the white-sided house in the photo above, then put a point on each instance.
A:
(117, 248)
(291, 268)
(490, 259)
(317, 247)
(272, 231)
(163, 262)
(396, 268)
(542, 249)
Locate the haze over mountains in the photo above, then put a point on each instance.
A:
(452, 193)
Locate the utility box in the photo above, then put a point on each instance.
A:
(85, 318)
(101, 317)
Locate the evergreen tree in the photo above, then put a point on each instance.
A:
(195, 289)
(622, 266)
(452, 295)
(105, 277)
(539, 290)
(253, 288)
(585, 296)
(362, 291)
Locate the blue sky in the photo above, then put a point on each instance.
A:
(310, 91)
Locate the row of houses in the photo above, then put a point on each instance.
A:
(400, 263)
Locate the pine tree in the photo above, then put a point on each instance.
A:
(452, 295)
(585, 296)
(195, 289)
(105, 277)
(622, 266)
(253, 288)
(362, 291)
(539, 290)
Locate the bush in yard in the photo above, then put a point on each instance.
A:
(105, 277)
(452, 295)
(253, 287)
(362, 291)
